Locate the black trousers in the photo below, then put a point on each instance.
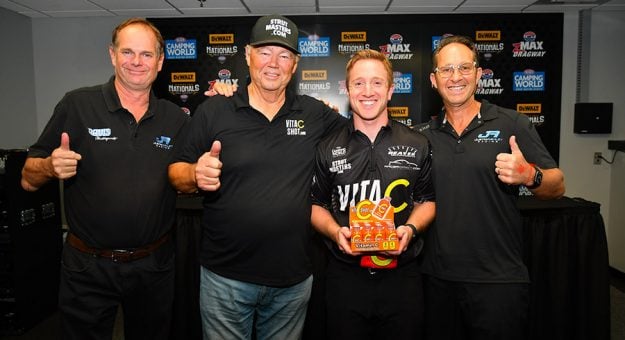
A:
(475, 311)
(385, 304)
(92, 289)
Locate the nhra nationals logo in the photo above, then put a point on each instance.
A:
(528, 80)
(314, 81)
(529, 47)
(221, 46)
(314, 46)
(183, 90)
(488, 43)
(180, 48)
(223, 76)
(533, 111)
(352, 42)
(403, 82)
(488, 84)
(396, 49)
(400, 114)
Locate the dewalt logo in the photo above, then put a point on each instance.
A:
(353, 36)
(224, 38)
(398, 111)
(487, 35)
(183, 77)
(529, 108)
(314, 75)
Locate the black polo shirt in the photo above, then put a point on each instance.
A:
(349, 169)
(120, 196)
(477, 232)
(256, 227)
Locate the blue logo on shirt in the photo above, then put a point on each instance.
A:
(163, 142)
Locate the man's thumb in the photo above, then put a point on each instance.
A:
(215, 149)
(65, 141)
(514, 147)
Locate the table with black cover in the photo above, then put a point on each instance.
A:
(565, 251)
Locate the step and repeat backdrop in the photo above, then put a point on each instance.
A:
(520, 54)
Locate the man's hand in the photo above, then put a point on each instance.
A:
(220, 88)
(63, 160)
(512, 168)
(208, 169)
(343, 236)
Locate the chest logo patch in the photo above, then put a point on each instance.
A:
(295, 127)
(163, 142)
(489, 136)
(103, 134)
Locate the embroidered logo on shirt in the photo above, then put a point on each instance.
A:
(340, 165)
(402, 151)
(339, 151)
(295, 127)
(163, 142)
(101, 134)
(490, 136)
(401, 164)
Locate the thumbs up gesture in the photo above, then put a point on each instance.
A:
(64, 160)
(208, 169)
(512, 168)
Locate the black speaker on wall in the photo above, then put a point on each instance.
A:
(30, 248)
(593, 118)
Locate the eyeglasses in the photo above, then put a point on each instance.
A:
(448, 70)
(361, 84)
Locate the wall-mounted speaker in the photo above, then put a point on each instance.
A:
(593, 118)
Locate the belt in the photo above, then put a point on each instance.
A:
(117, 255)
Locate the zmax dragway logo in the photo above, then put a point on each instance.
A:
(396, 49)
(529, 47)
(488, 84)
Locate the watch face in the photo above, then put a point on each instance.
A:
(538, 178)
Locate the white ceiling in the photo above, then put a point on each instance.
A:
(192, 8)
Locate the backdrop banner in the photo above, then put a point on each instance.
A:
(520, 55)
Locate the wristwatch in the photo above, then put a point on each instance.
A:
(538, 177)
(415, 232)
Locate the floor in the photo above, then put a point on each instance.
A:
(49, 329)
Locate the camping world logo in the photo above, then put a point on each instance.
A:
(180, 48)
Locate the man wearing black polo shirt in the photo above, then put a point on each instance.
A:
(369, 297)
(476, 285)
(111, 144)
(252, 155)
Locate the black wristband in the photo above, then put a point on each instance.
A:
(415, 232)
